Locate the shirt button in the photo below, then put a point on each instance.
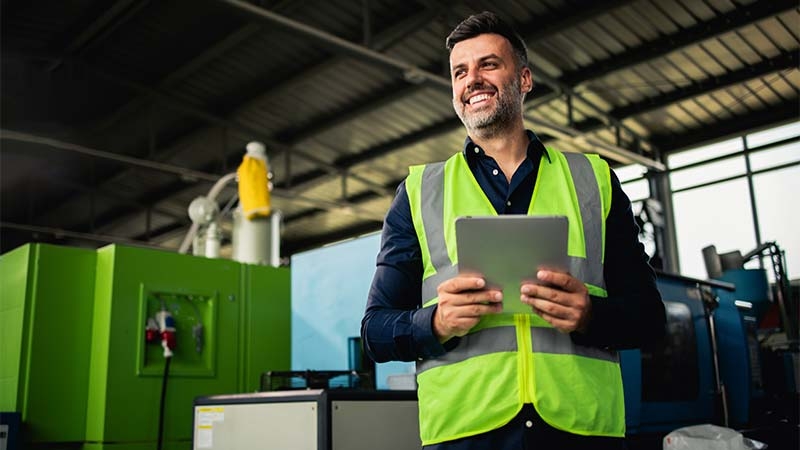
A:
(495, 172)
(477, 149)
(528, 423)
(508, 203)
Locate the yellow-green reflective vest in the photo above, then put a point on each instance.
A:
(508, 360)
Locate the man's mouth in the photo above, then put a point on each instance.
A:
(477, 99)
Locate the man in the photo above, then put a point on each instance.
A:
(487, 380)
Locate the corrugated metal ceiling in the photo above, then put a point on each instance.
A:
(188, 84)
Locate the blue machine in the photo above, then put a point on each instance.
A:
(708, 369)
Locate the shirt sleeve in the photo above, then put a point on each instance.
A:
(633, 314)
(395, 326)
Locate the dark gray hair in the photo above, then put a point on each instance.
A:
(485, 23)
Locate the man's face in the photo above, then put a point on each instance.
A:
(488, 88)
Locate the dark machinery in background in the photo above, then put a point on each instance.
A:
(730, 355)
(770, 323)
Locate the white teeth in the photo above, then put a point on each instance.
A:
(478, 98)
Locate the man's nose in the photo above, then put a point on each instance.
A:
(474, 80)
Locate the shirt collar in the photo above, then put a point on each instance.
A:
(535, 148)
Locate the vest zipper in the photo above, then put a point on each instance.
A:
(524, 357)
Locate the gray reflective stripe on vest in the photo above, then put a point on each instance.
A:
(430, 284)
(481, 342)
(432, 206)
(550, 340)
(583, 176)
(504, 339)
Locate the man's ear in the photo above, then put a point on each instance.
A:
(526, 80)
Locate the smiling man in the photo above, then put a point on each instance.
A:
(488, 380)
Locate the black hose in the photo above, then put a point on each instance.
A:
(162, 403)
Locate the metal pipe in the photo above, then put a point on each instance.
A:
(181, 171)
(60, 233)
(409, 71)
(276, 221)
(570, 134)
(212, 195)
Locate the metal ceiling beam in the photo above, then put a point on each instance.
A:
(114, 17)
(784, 61)
(554, 23)
(598, 145)
(362, 107)
(198, 62)
(739, 17)
(179, 216)
(408, 71)
(233, 39)
(183, 172)
(389, 35)
(734, 126)
(579, 12)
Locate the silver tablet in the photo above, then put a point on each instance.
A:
(509, 249)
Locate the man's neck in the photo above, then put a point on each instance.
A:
(508, 148)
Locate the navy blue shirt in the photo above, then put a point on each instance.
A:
(396, 327)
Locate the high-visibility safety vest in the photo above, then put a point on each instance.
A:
(508, 360)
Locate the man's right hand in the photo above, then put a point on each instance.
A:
(462, 302)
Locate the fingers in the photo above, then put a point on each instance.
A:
(564, 302)
(461, 283)
(562, 280)
(462, 302)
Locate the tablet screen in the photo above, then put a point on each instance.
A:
(509, 249)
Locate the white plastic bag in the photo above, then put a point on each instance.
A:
(709, 437)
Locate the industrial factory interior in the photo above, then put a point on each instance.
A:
(193, 194)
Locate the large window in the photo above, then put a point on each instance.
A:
(717, 214)
(718, 201)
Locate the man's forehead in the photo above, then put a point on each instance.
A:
(479, 47)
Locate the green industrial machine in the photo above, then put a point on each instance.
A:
(74, 359)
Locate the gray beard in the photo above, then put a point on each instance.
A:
(489, 124)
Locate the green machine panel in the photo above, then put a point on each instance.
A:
(74, 358)
(266, 321)
(46, 299)
(132, 284)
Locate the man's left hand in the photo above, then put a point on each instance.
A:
(563, 301)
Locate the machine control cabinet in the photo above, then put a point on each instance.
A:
(316, 419)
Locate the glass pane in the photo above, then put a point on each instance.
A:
(646, 230)
(704, 153)
(718, 215)
(630, 172)
(637, 190)
(778, 220)
(775, 156)
(705, 173)
(775, 134)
